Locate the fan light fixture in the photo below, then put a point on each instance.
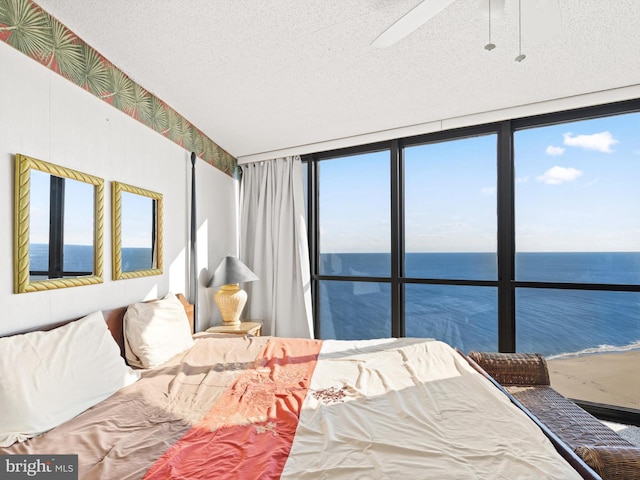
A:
(520, 56)
(542, 21)
(489, 46)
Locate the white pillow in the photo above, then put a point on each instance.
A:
(156, 331)
(50, 377)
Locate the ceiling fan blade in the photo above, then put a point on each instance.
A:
(410, 21)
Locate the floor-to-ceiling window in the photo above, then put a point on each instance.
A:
(577, 238)
(450, 240)
(354, 246)
(517, 236)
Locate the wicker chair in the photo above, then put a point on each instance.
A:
(525, 376)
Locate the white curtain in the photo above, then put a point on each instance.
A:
(273, 243)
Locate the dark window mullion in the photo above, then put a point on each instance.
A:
(154, 225)
(56, 227)
(506, 240)
(397, 243)
(313, 192)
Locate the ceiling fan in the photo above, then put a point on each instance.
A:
(540, 19)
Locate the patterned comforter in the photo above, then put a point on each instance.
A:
(265, 407)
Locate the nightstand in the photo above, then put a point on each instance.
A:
(245, 328)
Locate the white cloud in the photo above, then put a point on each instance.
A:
(557, 175)
(488, 190)
(600, 142)
(551, 150)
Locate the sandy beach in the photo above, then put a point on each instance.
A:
(610, 378)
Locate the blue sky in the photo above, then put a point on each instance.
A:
(577, 189)
(577, 186)
(137, 215)
(78, 210)
(78, 230)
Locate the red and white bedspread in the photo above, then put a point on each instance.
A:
(266, 407)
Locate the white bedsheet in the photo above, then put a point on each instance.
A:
(413, 409)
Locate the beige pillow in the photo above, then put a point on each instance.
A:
(50, 377)
(156, 331)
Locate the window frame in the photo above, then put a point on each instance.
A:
(57, 199)
(506, 283)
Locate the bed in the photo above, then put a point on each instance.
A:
(227, 406)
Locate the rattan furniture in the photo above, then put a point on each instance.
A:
(525, 376)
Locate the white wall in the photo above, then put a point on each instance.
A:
(44, 116)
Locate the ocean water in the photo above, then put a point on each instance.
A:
(79, 258)
(554, 322)
(136, 259)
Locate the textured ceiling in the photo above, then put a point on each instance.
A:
(261, 76)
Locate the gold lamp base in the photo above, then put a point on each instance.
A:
(230, 300)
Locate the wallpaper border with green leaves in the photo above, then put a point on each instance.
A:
(27, 27)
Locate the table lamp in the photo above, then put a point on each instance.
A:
(231, 298)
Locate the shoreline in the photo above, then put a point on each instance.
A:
(602, 349)
(602, 377)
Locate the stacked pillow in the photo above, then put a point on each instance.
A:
(156, 331)
(69, 369)
(61, 373)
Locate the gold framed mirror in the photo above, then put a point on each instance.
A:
(58, 226)
(137, 231)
